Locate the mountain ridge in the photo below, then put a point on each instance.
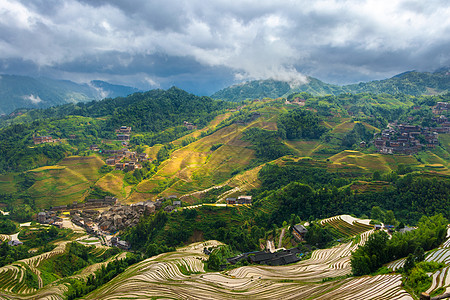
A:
(411, 83)
(28, 92)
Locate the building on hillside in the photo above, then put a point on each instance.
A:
(142, 157)
(123, 137)
(244, 200)
(50, 217)
(176, 203)
(189, 126)
(15, 243)
(41, 217)
(279, 258)
(231, 201)
(130, 154)
(299, 232)
(94, 147)
(42, 139)
(110, 161)
(124, 129)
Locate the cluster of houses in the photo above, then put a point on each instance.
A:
(391, 228)
(239, 200)
(441, 107)
(279, 258)
(49, 217)
(123, 133)
(406, 139)
(297, 101)
(44, 139)
(124, 159)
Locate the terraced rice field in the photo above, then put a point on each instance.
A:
(161, 277)
(347, 225)
(181, 275)
(4, 237)
(12, 276)
(13, 286)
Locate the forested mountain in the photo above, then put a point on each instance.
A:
(409, 83)
(151, 114)
(27, 92)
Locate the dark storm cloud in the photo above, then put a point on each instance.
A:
(202, 44)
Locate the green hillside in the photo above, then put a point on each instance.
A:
(228, 147)
(301, 165)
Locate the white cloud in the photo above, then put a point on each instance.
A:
(34, 99)
(254, 39)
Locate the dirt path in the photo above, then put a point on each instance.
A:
(281, 237)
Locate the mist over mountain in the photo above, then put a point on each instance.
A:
(28, 92)
(410, 83)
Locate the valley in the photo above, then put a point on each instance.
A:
(174, 177)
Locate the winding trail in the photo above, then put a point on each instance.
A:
(281, 237)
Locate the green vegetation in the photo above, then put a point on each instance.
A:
(6, 225)
(379, 249)
(314, 193)
(299, 123)
(266, 144)
(417, 278)
(253, 90)
(75, 258)
(218, 257)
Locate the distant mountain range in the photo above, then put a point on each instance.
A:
(28, 92)
(411, 83)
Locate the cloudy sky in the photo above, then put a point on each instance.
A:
(203, 46)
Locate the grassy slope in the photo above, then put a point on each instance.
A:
(195, 167)
(64, 183)
(113, 182)
(7, 184)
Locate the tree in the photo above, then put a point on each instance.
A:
(377, 213)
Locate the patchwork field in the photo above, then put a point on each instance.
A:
(66, 182)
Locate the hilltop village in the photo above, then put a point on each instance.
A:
(409, 139)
